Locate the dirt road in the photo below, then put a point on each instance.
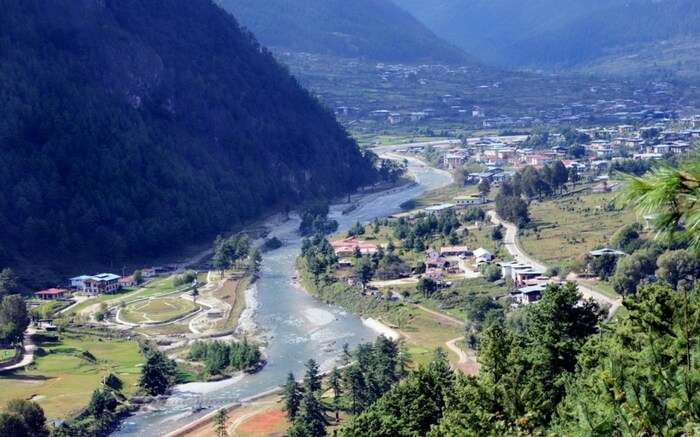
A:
(510, 242)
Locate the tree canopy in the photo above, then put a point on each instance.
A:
(130, 127)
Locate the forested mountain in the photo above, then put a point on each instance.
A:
(372, 29)
(132, 126)
(627, 36)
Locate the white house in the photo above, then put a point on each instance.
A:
(439, 209)
(528, 295)
(102, 283)
(78, 282)
(470, 200)
(482, 255)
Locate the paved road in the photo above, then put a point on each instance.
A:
(510, 241)
(28, 353)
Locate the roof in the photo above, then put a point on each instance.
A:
(104, 277)
(454, 249)
(51, 292)
(350, 244)
(532, 289)
(606, 251)
(80, 278)
(480, 252)
(443, 207)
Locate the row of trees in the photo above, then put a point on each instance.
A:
(220, 357)
(229, 252)
(370, 372)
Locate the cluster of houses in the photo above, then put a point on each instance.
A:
(477, 105)
(350, 246)
(101, 283)
(446, 261)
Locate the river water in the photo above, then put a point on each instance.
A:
(296, 326)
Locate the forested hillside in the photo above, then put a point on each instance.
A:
(130, 127)
(372, 29)
(626, 36)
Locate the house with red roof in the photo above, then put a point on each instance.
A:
(348, 246)
(51, 294)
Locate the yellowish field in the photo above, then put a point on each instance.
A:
(567, 228)
(62, 382)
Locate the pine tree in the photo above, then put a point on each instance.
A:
(312, 380)
(220, 420)
(335, 385)
(292, 397)
(311, 415)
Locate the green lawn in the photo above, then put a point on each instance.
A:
(6, 354)
(157, 310)
(564, 229)
(62, 382)
(462, 290)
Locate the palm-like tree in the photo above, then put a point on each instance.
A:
(672, 196)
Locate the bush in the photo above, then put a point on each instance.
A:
(272, 244)
(88, 356)
(112, 381)
(409, 204)
(186, 277)
(492, 272)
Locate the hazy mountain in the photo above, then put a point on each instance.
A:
(130, 127)
(372, 29)
(627, 36)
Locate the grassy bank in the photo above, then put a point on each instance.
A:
(423, 334)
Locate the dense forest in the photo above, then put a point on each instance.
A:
(553, 372)
(131, 127)
(372, 29)
(603, 35)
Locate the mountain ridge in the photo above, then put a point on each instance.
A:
(372, 29)
(555, 35)
(132, 127)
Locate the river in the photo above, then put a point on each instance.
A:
(295, 326)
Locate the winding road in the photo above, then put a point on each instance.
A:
(510, 241)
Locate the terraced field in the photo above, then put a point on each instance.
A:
(157, 310)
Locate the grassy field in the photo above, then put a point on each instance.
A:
(157, 310)
(424, 334)
(6, 354)
(389, 140)
(462, 289)
(564, 229)
(63, 381)
(170, 329)
(444, 195)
